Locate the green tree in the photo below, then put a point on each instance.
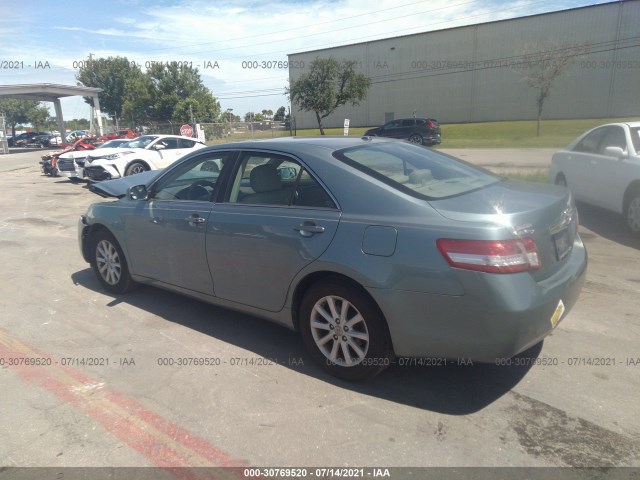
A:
(77, 124)
(280, 114)
(543, 64)
(113, 75)
(138, 104)
(19, 111)
(170, 92)
(328, 85)
(175, 87)
(40, 117)
(253, 117)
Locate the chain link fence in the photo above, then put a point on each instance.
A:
(216, 133)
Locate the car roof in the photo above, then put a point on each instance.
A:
(618, 124)
(160, 135)
(292, 144)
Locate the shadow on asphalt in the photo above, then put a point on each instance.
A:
(450, 389)
(607, 224)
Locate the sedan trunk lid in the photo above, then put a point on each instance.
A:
(545, 213)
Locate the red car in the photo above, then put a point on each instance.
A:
(124, 133)
(49, 161)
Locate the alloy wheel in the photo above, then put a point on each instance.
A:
(339, 331)
(108, 262)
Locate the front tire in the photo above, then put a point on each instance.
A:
(344, 331)
(632, 212)
(135, 167)
(109, 264)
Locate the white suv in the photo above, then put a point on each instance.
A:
(149, 152)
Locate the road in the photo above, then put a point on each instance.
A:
(116, 395)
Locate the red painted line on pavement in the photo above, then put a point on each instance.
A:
(162, 442)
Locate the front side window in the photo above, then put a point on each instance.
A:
(417, 171)
(196, 180)
(591, 143)
(615, 137)
(167, 143)
(391, 125)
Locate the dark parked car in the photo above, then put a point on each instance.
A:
(424, 131)
(369, 247)
(26, 138)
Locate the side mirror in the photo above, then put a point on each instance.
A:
(139, 192)
(159, 147)
(616, 152)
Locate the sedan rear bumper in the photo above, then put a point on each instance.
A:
(498, 317)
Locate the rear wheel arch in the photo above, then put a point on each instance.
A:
(357, 349)
(316, 277)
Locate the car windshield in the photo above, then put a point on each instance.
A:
(416, 170)
(141, 142)
(114, 144)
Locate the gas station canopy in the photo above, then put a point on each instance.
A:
(48, 92)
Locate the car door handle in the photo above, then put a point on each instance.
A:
(308, 229)
(196, 219)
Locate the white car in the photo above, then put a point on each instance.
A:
(71, 164)
(149, 152)
(602, 168)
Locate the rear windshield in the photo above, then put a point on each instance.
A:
(417, 170)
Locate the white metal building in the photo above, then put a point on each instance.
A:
(474, 73)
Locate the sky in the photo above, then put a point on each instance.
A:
(45, 41)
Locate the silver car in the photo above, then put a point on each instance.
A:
(371, 248)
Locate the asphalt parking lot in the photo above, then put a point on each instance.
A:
(112, 388)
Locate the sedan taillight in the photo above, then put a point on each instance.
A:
(491, 256)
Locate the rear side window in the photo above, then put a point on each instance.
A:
(416, 170)
(187, 143)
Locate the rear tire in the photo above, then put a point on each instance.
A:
(344, 331)
(415, 138)
(109, 263)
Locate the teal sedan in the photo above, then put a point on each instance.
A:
(370, 248)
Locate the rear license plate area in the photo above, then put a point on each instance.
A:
(562, 243)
